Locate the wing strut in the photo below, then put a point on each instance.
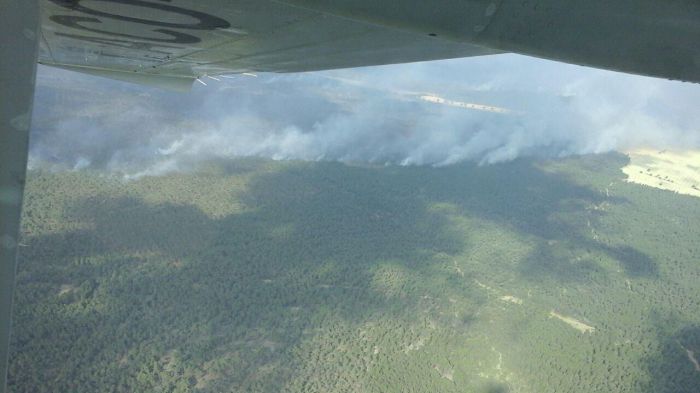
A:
(19, 29)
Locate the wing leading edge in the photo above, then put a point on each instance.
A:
(187, 38)
(658, 38)
(181, 39)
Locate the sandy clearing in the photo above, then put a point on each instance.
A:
(270, 345)
(458, 270)
(479, 283)
(677, 171)
(204, 380)
(448, 374)
(123, 360)
(415, 346)
(691, 357)
(464, 105)
(66, 288)
(574, 323)
(512, 299)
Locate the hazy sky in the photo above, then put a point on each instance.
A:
(375, 114)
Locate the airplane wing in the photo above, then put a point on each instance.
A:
(658, 38)
(171, 42)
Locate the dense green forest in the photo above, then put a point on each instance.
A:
(263, 276)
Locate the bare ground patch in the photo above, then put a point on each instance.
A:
(447, 373)
(691, 358)
(574, 323)
(65, 289)
(677, 171)
(512, 299)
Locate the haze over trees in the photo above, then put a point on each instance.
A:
(262, 276)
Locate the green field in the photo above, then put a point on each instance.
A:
(264, 276)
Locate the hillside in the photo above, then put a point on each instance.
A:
(265, 276)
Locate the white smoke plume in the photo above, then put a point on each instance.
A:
(489, 109)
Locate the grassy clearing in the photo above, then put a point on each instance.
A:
(677, 171)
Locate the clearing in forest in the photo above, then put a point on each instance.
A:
(66, 288)
(512, 299)
(574, 323)
(677, 171)
(691, 357)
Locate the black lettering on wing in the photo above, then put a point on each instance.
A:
(74, 22)
(204, 21)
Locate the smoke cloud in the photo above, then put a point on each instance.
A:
(488, 109)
